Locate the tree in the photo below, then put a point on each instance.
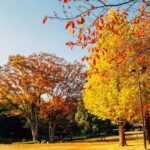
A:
(63, 95)
(55, 110)
(26, 80)
(22, 87)
(147, 121)
(90, 124)
(111, 88)
(94, 22)
(145, 94)
(111, 98)
(85, 17)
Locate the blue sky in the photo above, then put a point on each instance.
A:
(22, 32)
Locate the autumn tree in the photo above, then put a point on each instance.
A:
(144, 83)
(62, 96)
(147, 121)
(120, 28)
(85, 17)
(142, 74)
(111, 96)
(146, 97)
(26, 80)
(111, 91)
(22, 87)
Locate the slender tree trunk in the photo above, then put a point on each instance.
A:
(147, 126)
(33, 122)
(122, 139)
(34, 131)
(51, 132)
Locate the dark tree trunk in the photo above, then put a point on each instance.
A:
(51, 132)
(147, 127)
(122, 139)
(34, 130)
(33, 122)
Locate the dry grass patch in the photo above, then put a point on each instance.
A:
(132, 145)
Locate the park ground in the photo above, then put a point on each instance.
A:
(134, 142)
(132, 145)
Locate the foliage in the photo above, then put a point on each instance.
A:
(13, 128)
(90, 124)
(38, 84)
(62, 96)
(86, 18)
(111, 87)
(112, 90)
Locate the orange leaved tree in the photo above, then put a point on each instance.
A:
(61, 97)
(85, 17)
(22, 87)
(25, 81)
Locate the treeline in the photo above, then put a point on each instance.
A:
(44, 93)
(84, 125)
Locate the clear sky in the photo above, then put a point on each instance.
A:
(22, 32)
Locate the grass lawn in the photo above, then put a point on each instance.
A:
(132, 145)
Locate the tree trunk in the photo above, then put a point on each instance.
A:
(147, 127)
(33, 122)
(51, 132)
(34, 130)
(122, 139)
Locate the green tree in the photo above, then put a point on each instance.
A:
(90, 124)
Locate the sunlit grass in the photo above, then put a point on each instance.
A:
(132, 145)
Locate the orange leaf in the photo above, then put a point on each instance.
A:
(92, 6)
(45, 19)
(88, 12)
(80, 21)
(104, 74)
(83, 59)
(87, 58)
(67, 25)
(66, 1)
(82, 37)
(81, 30)
(70, 23)
(96, 23)
(98, 56)
(72, 31)
(144, 1)
(70, 43)
(94, 61)
(102, 21)
(80, 6)
(88, 31)
(90, 87)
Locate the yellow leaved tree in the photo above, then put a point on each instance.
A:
(111, 90)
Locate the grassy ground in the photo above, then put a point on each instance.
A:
(134, 141)
(132, 145)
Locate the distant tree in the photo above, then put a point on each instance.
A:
(21, 88)
(62, 96)
(25, 81)
(90, 124)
